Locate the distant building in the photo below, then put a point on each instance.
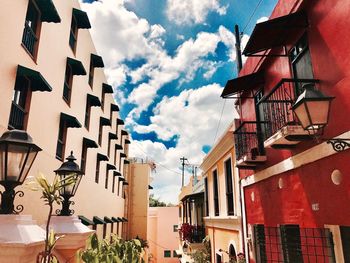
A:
(292, 159)
(162, 234)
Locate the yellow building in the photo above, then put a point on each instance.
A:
(53, 86)
(222, 206)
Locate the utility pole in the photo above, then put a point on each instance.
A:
(238, 49)
(183, 159)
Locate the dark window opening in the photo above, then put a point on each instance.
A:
(262, 128)
(67, 88)
(291, 243)
(229, 188)
(232, 254)
(218, 258)
(91, 73)
(103, 99)
(260, 243)
(20, 104)
(73, 34)
(61, 142)
(113, 184)
(216, 193)
(106, 181)
(100, 131)
(97, 173)
(167, 253)
(83, 158)
(87, 115)
(345, 239)
(206, 197)
(301, 63)
(31, 31)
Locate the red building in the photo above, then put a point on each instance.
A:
(294, 170)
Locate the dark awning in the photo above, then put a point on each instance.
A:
(97, 61)
(93, 100)
(107, 88)
(121, 179)
(120, 219)
(98, 221)
(124, 132)
(124, 219)
(116, 173)
(89, 143)
(38, 83)
(150, 187)
(127, 141)
(125, 183)
(112, 136)
(82, 18)
(77, 66)
(120, 121)
(70, 121)
(275, 32)
(48, 11)
(110, 167)
(114, 107)
(122, 155)
(244, 83)
(126, 161)
(104, 121)
(86, 221)
(108, 220)
(115, 219)
(193, 196)
(102, 157)
(118, 147)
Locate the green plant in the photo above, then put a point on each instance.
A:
(203, 255)
(115, 250)
(50, 195)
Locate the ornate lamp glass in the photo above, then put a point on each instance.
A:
(17, 154)
(312, 108)
(68, 169)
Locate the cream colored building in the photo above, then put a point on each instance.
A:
(162, 234)
(222, 213)
(53, 86)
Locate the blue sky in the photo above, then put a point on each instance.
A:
(168, 61)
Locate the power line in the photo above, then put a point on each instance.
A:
(251, 16)
(217, 128)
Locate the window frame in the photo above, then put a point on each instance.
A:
(216, 192)
(97, 170)
(206, 196)
(91, 73)
(167, 253)
(62, 139)
(83, 157)
(232, 193)
(73, 32)
(68, 85)
(87, 115)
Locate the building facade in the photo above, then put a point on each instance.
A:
(222, 215)
(162, 234)
(294, 181)
(53, 86)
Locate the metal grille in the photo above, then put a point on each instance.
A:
(17, 116)
(308, 245)
(277, 105)
(29, 38)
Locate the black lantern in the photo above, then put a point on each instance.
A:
(312, 108)
(17, 154)
(68, 169)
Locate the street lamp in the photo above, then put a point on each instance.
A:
(68, 169)
(312, 110)
(17, 154)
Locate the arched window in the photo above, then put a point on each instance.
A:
(232, 253)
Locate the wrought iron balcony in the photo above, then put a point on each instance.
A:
(249, 138)
(17, 116)
(29, 38)
(192, 233)
(284, 129)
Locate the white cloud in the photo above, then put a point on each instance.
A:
(262, 19)
(192, 11)
(194, 123)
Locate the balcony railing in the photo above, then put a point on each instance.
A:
(277, 105)
(29, 38)
(248, 139)
(192, 233)
(17, 116)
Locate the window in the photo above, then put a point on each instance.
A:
(73, 33)
(175, 254)
(229, 188)
(83, 157)
(345, 239)
(97, 173)
(67, 88)
(216, 193)
(87, 115)
(260, 243)
(61, 141)
(105, 89)
(167, 253)
(175, 228)
(20, 104)
(113, 184)
(106, 181)
(291, 243)
(91, 73)
(31, 31)
(218, 258)
(206, 196)
(301, 62)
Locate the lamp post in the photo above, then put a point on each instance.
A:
(68, 169)
(17, 154)
(312, 109)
